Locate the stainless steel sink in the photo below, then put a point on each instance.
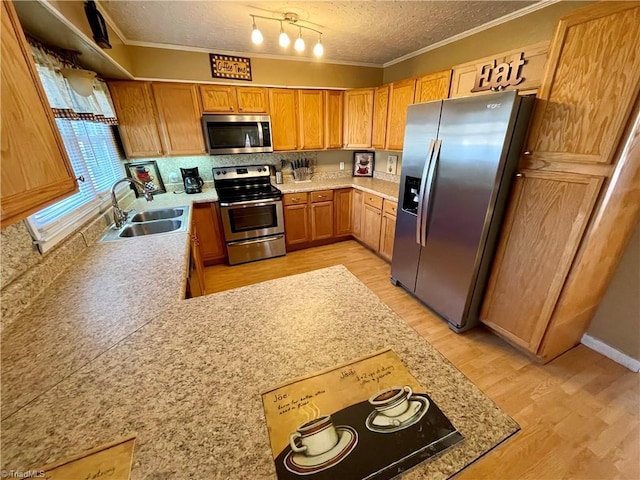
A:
(149, 228)
(159, 214)
(150, 222)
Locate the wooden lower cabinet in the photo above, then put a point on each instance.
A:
(356, 213)
(388, 228)
(210, 236)
(371, 220)
(545, 222)
(322, 220)
(342, 204)
(322, 217)
(196, 282)
(296, 218)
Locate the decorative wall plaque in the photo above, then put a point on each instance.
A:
(235, 68)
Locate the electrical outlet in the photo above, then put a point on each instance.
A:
(392, 164)
(341, 165)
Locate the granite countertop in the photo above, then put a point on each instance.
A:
(383, 188)
(113, 348)
(189, 382)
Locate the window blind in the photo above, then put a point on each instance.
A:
(94, 154)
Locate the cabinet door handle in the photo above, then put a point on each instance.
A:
(240, 108)
(231, 109)
(527, 153)
(519, 175)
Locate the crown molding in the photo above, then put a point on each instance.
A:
(493, 23)
(231, 53)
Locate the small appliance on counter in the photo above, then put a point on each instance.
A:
(192, 181)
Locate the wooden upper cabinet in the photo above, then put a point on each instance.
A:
(358, 118)
(284, 118)
(180, 117)
(252, 100)
(230, 99)
(380, 110)
(219, 98)
(311, 119)
(544, 224)
(434, 86)
(593, 73)
(401, 97)
(137, 119)
(333, 101)
(35, 167)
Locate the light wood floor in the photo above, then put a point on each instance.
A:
(579, 414)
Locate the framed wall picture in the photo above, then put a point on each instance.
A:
(147, 173)
(363, 164)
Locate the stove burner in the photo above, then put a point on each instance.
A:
(242, 184)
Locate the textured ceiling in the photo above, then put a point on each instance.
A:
(372, 32)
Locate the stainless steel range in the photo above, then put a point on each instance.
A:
(252, 215)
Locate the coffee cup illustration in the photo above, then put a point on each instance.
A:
(392, 402)
(314, 437)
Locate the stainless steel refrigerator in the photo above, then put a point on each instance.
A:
(458, 163)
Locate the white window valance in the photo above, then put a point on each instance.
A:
(64, 101)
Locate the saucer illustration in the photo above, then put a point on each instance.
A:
(379, 423)
(302, 464)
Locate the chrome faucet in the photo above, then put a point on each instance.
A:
(120, 216)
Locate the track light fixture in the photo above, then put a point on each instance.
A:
(256, 35)
(284, 40)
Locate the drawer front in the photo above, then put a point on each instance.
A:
(390, 207)
(373, 200)
(321, 196)
(295, 198)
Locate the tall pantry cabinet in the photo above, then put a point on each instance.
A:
(585, 102)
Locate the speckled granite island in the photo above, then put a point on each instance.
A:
(114, 349)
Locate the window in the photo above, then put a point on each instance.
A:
(94, 155)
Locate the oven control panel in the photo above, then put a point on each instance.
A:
(251, 171)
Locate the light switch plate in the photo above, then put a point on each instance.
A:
(341, 165)
(392, 164)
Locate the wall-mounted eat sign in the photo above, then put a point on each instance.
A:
(498, 76)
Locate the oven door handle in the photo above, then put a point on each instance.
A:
(254, 203)
(259, 240)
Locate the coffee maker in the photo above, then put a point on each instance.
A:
(192, 181)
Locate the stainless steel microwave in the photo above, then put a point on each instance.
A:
(226, 134)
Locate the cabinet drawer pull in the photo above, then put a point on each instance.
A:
(518, 175)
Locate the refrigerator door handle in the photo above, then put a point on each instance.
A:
(423, 182)
(426, 199)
